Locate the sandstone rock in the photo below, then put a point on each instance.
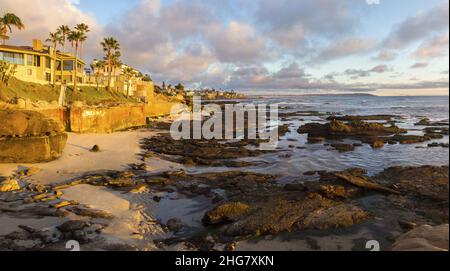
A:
(63, 204)
(93, 213)
(424, 238)
(340, 216)
(363, 182)
(9, 185)
(226, 212)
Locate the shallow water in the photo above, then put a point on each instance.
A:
(292, 162)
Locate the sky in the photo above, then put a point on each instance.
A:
(383, 47)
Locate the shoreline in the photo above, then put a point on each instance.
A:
(140, 193)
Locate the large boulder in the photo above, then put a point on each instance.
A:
(29, 137)
(23, 123)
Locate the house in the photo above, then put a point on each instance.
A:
(35, 63)
(129, 83)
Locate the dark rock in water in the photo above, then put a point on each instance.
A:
(409, 139)
(226, 212)
(427, 122)
(174, 224)
(435, 144)
(361, 118)
(343, 147)
(95, 148)
(310, 173)
(357, 130)
(378, 143)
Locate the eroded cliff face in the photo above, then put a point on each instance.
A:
(29, 137)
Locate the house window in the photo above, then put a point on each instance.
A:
(37, 61)
(68, 65)
(48, 77)
(48, 63)
(14, 58)
(29, 60)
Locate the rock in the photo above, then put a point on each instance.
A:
(363, 182)
(295, 187)
(63, 204)
(424, 238)
(355, 129)
(73, 225)
(337, 191)
(435, 144)
(340, 216)
(376, 144)
(226, 212)
(343, 147)
(361, 118)
(9, 185)
(139, 189)
(95, 148)
(174, 224)
(230, 246)
(93, 213)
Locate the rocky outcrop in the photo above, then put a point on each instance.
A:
(29, 137)
(424, 238)
(225, 213)
(9, 185)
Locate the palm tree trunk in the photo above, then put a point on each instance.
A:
(109, 70)
(54, 65)
(76, 69)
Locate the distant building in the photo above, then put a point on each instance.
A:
(35, 63)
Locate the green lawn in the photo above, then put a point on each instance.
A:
(38, 92)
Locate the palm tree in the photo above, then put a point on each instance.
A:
(110, 46)
(97, 67)
(75, 37)
(83, 28)
(129, 73)
(64, 29)
(54, 38)
(7, 22)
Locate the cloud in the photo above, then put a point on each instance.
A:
(386, 55)
(435, 47)
(358, 73)
(419, 65)
(236, 42)
(345, 48)
(418, 26)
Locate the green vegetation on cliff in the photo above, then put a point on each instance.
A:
(37, 92)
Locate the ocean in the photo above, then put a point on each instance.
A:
(292, 162)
